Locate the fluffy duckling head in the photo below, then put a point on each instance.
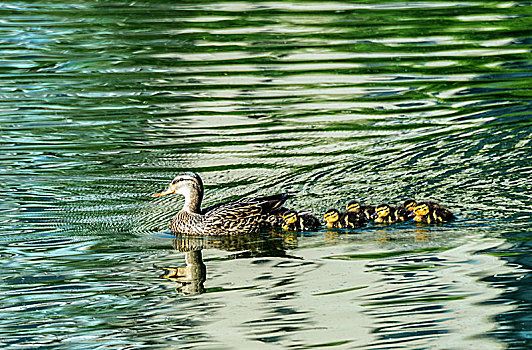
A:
(382, 210)
(422, 209)
(410, 204)
(331, 216)
(353, 206)
(290, 217)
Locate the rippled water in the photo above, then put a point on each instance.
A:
(102, 103)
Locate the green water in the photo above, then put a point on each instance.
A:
(102, 103)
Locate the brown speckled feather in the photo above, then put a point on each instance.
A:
(245, 215)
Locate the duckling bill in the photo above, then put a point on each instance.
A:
(348, 219)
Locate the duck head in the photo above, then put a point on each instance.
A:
(353, 206)
(330, 217)
(422, 209)
(290, 217)
(410, 204)
(381, 210)
(190, 186)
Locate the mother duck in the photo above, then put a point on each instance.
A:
(244, 215)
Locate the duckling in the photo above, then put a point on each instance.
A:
(244, 215)
(355, 207)
(385, 214)
(347, 219)
(427, 213)
(410, 204)
(300, 221)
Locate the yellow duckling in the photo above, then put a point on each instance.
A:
(427, 213)
(300, 221)
(410, 204)
(355, 207)
(385, 214)
(348, 219)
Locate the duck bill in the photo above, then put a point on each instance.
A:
(163, 193)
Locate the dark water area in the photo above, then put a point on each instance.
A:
(102, 103)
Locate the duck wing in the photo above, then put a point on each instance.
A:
(272, 200)
(242, 215)
(208, 209)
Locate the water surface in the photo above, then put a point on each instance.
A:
(102, 103)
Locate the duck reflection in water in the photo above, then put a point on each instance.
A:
(191, 278)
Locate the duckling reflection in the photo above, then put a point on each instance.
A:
(191, 278)
(422, 235)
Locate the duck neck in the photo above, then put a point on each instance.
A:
(193, 200)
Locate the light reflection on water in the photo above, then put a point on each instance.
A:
(401, 297)
(101, 104)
